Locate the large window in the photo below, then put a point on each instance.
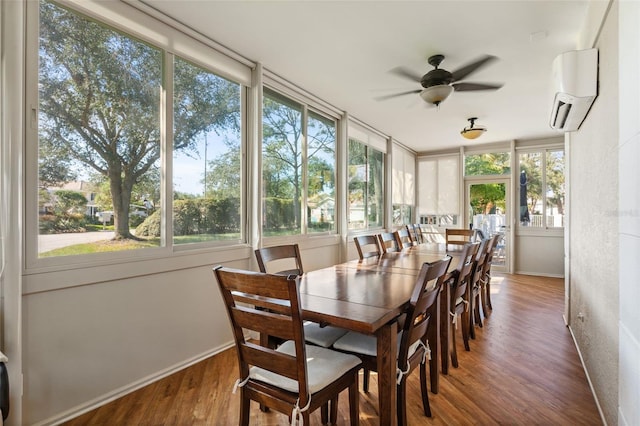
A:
(298, 168)
(366, 183)
(403, 189)
(541, 189)
(494, 163)
(101, 131)
(207, 152)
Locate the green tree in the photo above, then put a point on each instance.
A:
(223, 178)
(69, 202)
(100, 98)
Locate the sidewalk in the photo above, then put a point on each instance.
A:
(54, 241)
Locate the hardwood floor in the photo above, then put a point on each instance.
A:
(523, 369)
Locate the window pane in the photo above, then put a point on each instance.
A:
(487, 164)
(99, 135)
(321, 159)
(375, 200)
(357, 184)
(555, 189)
(531, 189)
(281, 165)
(207, 156)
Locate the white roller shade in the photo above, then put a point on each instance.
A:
(136, 22)
(367, 137)
(438, 189)
(403, 176)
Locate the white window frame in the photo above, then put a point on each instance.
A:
(139, 25)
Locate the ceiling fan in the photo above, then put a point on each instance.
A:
(439, 83)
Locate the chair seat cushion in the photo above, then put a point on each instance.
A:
(322, 336)
(324, 366)
(366, 344)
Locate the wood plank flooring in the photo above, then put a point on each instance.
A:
(523, 369)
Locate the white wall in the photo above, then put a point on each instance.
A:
(593, 229)
(629, 213)
(539, 255)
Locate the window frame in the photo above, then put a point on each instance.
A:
(543, 151)
(367, 228)
(307, 108)
(137, 25)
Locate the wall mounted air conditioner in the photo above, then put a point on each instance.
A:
(575, 87)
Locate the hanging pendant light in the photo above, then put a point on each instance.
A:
(473, 131)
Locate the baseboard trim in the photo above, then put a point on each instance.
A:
(586, 372)
(125, 390)
(540, 274)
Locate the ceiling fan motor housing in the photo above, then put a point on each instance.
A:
(436, 77)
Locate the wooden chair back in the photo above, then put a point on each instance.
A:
(368, 246)
(290, 252)
(282, 379)
(460, 298)
(388, 242)
(457, 237)
(403, 238)
(266, 304)
(417, 233)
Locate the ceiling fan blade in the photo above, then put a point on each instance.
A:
(467, 87)
(472, 67)
(395, 95)
(406, 73)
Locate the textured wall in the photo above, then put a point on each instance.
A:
(594, 229)
(629, 213)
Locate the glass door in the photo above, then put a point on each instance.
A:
(488, 202)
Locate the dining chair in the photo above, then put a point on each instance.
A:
(279, 254)
(368, 246)
(294, 379)
(476, 287)
(415, 326)
(457, 237)
(317, 334)
(403, 238)
(459, 300)
(388, 242)
(485, 282)
(417, 233)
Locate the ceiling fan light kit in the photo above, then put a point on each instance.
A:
(439, 83)
(436, 94)
(473, 131)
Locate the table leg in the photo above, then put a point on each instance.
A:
(387, 341)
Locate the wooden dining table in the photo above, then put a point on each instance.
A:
(368, 296)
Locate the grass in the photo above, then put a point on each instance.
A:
(102, 247)
(121, 245)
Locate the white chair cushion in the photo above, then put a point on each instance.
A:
(366, 344)
(322, 336)
(323, 367)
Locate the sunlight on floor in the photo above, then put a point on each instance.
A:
(495, 284)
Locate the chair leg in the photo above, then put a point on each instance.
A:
(354, 403)
(401, 402)
(365, 380)
(465, 329)
(245, 405)
(334, 410)
(452, 348)
(423, 388)
(324, 413)
(488, 292)
(476, 305)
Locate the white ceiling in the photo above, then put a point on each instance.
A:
(342, 52)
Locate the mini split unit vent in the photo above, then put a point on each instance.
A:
(575, 81)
